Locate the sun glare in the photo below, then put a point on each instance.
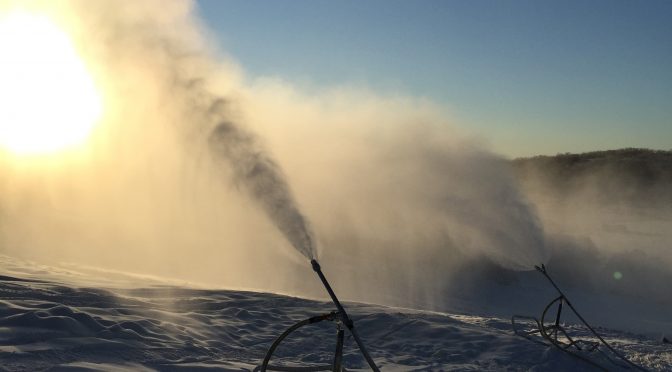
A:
(48, 100)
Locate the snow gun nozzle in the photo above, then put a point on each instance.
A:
(340, 313)
(550, 333)
(316, 265)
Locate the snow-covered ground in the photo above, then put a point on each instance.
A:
(72, 318)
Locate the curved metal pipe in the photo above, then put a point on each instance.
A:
(542, 269)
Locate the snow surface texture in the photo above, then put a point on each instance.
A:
(126, 322)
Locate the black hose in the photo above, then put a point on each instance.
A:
(271, 350)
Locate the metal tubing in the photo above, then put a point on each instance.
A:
(338, 355)
(344, 316)
(334, 299)
(542, 269)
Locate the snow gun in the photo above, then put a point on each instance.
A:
(340, 317)
(555, 334)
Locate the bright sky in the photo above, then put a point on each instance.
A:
(532, 76)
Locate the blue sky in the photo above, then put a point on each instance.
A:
(532, 77)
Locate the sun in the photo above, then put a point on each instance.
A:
(48, 99)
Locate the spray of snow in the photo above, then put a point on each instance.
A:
(397, 197)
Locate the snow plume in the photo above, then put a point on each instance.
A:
(607, 216)
(262, 178)
(398, 199)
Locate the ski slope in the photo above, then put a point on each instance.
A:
(72, 318)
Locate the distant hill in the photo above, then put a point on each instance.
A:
(633, 176)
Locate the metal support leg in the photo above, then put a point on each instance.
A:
(338, 355)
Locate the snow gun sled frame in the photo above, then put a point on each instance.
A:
(342, 321)
(556, 335)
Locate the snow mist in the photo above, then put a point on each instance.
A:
(265, 182)
(399, 200)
